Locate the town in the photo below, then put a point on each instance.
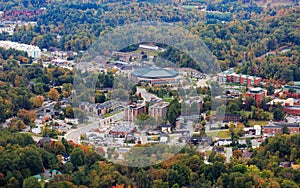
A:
(76, 111)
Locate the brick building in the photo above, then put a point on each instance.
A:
(258, 94)
(132, 112)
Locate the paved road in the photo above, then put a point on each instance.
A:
(228, 154)
(146, 95)
(75, 134)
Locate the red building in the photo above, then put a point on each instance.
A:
(292, 110)
(258, 94)
(132, 112)
(293, 128)
(270, 130)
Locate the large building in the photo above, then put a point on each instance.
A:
(258, 94)
(159, 110)
(294, 88)
(132, 112)
(155, 76)
(32, 51)
(231, 77)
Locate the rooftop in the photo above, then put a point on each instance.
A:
(153, 72)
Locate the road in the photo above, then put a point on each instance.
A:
(75, 133)
(146, 95)
(228, 154)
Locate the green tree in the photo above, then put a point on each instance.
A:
(278, 114)
(285, 130)
(173, 111)
(31, 182)
(12, 183)
(77, 157)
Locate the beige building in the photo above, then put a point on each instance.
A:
(159, 110)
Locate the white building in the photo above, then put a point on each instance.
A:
(32, 51)
(9, 30)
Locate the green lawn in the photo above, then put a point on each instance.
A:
(220, 134)
(252, 122)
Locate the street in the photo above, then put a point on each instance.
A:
(75, 133)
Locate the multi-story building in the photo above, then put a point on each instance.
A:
(159, 110)
(32, 51)
(132, 112)
(232, 77)
(276, 128)
(258, 94)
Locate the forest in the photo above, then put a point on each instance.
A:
(21, 158)
(235, 41)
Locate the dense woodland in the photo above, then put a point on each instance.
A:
(21, 158)
(240, 41)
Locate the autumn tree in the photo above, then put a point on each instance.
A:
(27, 116)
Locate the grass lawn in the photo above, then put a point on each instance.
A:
(252, 122)
(166, 98)
(220, 134)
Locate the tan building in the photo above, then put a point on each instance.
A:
(159, 110)
(132, 112)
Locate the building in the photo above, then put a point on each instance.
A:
(127, 57)
(258, 94)
(283, 102)
(9, 30)
(223, 142)
(231, 93)
(295, 88)
(121, 129)
(292, 110)
(148, 47)
(228, 118)
(32, 51)
(155, 76)
(159, 110)
(108, 106)
(231, 77)
(132, 112)
(276, 128)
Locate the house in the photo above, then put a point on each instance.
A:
(122, 130)
(219, 150)
(251, 131)
(107, 107)
(43, 141)
(223, 142)
(246, 154)
(166, 128)
(198, 140)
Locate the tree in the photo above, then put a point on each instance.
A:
(27, 116)
(173, 111)
(31, 182)
(77, 157)
(59, 148)
(285, 130)
(12, 183)
(278, 114)
(53, 94)
(100, 98)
